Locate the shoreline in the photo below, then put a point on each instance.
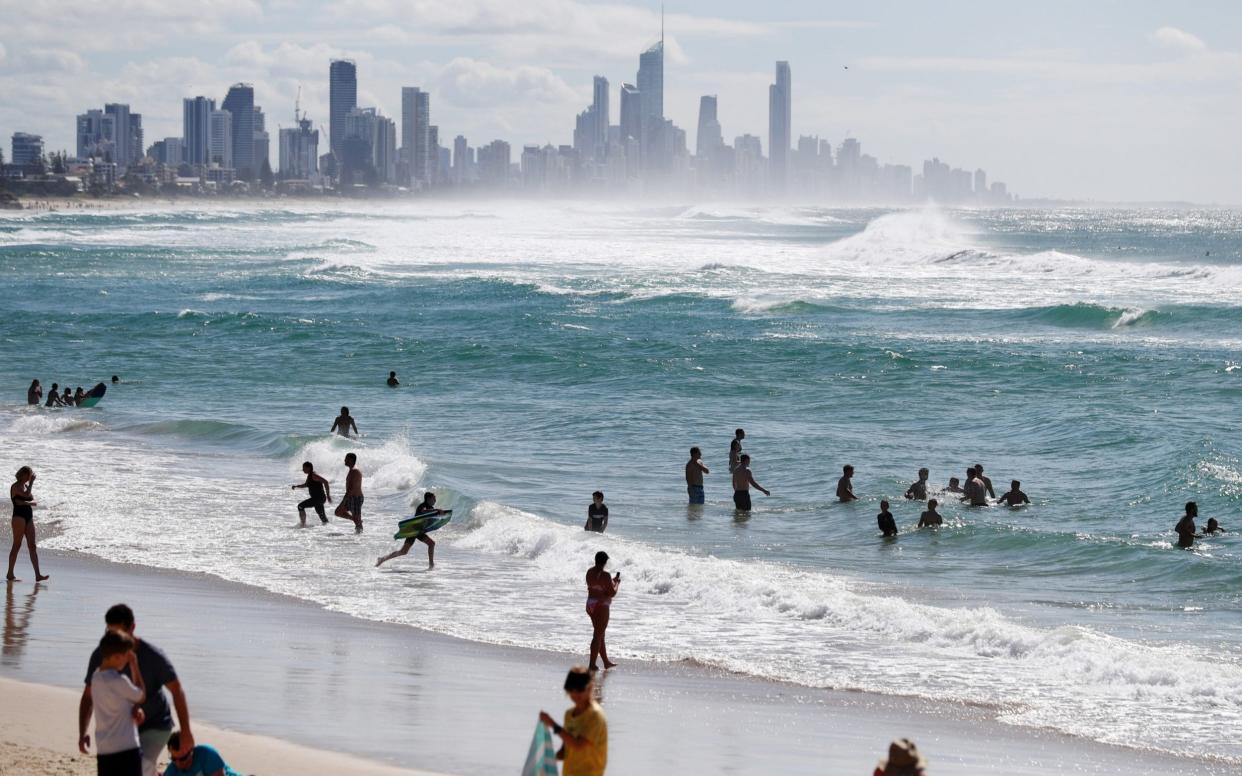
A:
(385, 691)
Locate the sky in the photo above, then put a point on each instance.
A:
(1130, 100)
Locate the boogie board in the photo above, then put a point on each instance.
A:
(421, 524)
(94, 396)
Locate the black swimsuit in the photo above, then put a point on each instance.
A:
(21, 507)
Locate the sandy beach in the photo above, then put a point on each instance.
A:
(278, 668)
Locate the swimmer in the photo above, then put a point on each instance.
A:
(393, 382)
(343, 424)
(115, 379)
(1015, 497)
(735, 450)
(53, 398)
(888, 526)
(986, 482)
(78, 396)
(66, 398)
(845, 485)
(597, 513)
(1213, 527)
(955, 486)
(428, 508)
(742, 480)
(931, 518)
(918, 490)
(1186, 526)
(976, 492)
(34, 394)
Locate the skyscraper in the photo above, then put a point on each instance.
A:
(122, 135)
(90, 133)
(651, 83)
(631, 113)
(299, 151)
(240, 102)
(26, 148)
(220, 139)
(196, 128)
(599, 104)
(709, 136)
(461, 157)
(415, 124)
(262, 142)
(780, 103)
(342, 98)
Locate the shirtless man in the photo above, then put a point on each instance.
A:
(350, 507)
(53, 398)
(888, 526)
(393, 382)
(344, 423)
(845, 485)
(1015, 497)
(1213, 527)
(955, 486)
(735, 450)
(987, 483)
(694, 476)
(742, 481)
(931, 518)
(918, 490)
(976, 492)
(319, 491)
(1186, 526)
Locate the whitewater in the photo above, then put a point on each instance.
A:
(547, 351)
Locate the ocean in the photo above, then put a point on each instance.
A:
(547, 350)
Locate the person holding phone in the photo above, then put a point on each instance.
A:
(601, 589)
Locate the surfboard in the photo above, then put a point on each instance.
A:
(421, 524)
(94, 395)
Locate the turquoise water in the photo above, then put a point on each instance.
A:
(548, 351)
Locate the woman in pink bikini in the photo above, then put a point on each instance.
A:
(600, 590)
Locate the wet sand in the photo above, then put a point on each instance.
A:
(272, 666)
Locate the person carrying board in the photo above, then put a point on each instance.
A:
(425, 509)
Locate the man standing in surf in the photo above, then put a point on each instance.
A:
(344, 423)
(350, 507)
(742, 481)
(694, 476)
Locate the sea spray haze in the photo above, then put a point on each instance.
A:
(549, 351)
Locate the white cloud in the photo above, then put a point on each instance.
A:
(1180, 40)
(474, 83)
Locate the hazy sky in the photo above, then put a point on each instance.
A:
(1099, 99)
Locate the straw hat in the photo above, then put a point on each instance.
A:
(903, 759)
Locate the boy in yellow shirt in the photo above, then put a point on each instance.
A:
(585, 731)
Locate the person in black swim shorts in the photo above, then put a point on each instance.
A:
(319, 491)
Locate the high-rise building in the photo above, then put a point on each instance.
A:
(494, 163)
(415, 128)
(122, 136)
(299, 150)
(709, 136)
(780, 102)
(599, 104)
(461, 159)
(651, 82)
(26, 148)
(196, 128)
(384, 149)
(167, 151)
(220, 139)
(240, 102)
(631, 112)
(262, 142)
(981, 183)
(342, 98)
(90, 134)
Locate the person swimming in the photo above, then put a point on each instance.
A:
(343, 424)
(1213, 527)
(888, 526)
(845, 485)
(34, 394)
(66, 398)
(597, 513)
(955, 486)
(393, 382)
(1186, 526)
(931, 518)
(918, 489)
(1014, 497)
(78, 396)
(53, 397)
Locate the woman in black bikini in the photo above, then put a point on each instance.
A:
(23, 521)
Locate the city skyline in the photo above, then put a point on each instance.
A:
(475, 96)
